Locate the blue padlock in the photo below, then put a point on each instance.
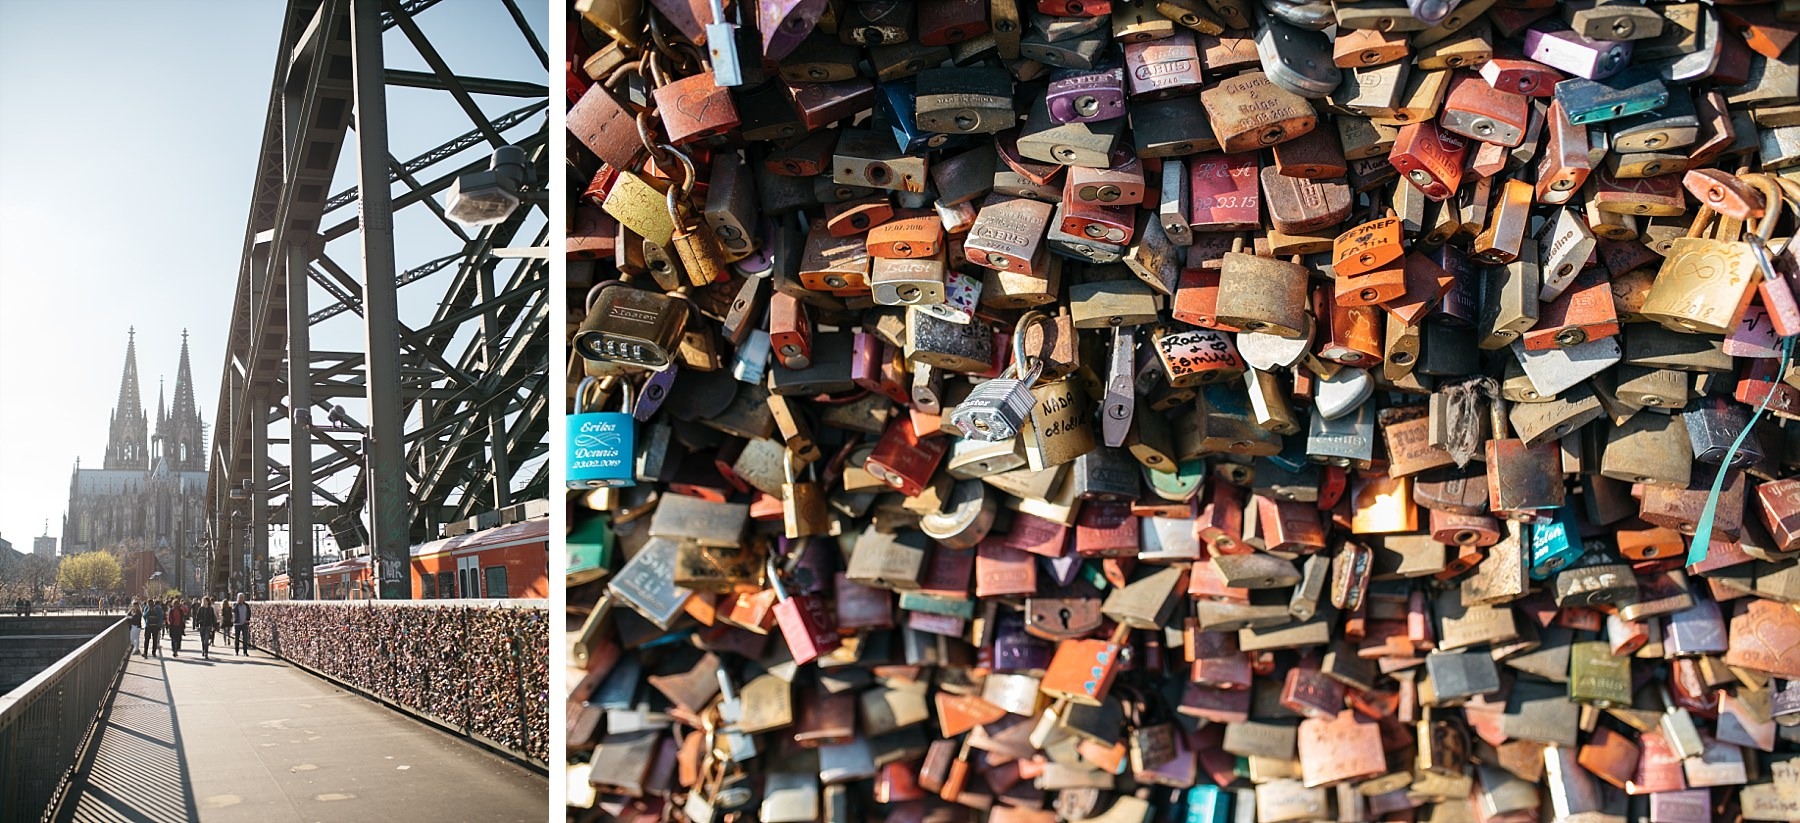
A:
(1207, 803)
(1555, 544)
(602, 445)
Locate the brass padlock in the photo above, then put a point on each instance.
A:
(1262, 294)
(696, 245)
(803, 512)
(1705, 284)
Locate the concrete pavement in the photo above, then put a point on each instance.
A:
(255, 740)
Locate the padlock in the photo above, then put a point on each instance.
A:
(790, 331)
(1504, 237)
(1121, 184)
(1055, 41)
(908, 282)
(833, 265)
(1249, 112)
(1083, 671)
(1059, 427)
(601, 444)
(1296, 59)
(1262, 294)
(696, 245)
(965, 101)
(1483, 112)
(905, 238)
(807, 625)
(997, 409)
(1070, 144)
(1583, 312)
(632, 326)
(1563, 252)
(694, 108)
(1704, 285)
(1522, 480)
(1367, 248)
(1008, 235)
(1634, 91)
(1096, 221)
(1077, 96)
(1430, 158)
(803, 512)
(1162, 67)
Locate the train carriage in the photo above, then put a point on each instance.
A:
(507, 561)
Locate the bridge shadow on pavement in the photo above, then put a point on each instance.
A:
(251, 739)
(135, 770)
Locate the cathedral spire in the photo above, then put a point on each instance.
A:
(126, 443)
(186, 439)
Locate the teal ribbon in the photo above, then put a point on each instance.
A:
(1703, 531)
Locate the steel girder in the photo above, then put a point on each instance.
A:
(471, 375)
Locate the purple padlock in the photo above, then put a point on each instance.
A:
(784, 23)
(1016, 651)
(1087, 96)
(1564, 49)
(655, 391)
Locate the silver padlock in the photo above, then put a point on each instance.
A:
(1270, 352)
(721, 47)
(1342, 393)
(996, 409)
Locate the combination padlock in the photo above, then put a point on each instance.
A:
(601, 444)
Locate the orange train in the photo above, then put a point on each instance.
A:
(507, 561)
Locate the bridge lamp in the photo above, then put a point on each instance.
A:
(486, 198)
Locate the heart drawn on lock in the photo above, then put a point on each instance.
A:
(1777, 629)
(694, 103)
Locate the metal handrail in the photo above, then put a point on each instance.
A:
(45, 723)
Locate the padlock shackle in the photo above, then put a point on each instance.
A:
(581, 394)
(1018, 348)
(593, 295)
(688, 175)
(1771, 192)
(781, 592)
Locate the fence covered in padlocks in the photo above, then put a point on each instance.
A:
(476, 667)
(1204, 410)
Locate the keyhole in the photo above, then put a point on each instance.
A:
(1064, 614)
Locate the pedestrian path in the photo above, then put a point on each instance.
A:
(256, 740)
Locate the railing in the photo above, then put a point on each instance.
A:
(45, 722)
(477, 667)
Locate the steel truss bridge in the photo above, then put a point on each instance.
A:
(426, 400)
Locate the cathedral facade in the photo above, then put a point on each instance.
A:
(146, 503)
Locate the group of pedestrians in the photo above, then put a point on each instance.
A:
(149, 619)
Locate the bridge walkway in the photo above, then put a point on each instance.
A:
(252, 739)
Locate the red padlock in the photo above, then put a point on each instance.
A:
(809, 628)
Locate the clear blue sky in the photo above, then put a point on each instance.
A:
(128, 138)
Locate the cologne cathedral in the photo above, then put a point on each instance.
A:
(147, 501)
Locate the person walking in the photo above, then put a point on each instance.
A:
(177, 623)
(154, 613)
(135, 616)
(206, 619)
(240, 619)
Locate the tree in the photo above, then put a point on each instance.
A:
(89, 570)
